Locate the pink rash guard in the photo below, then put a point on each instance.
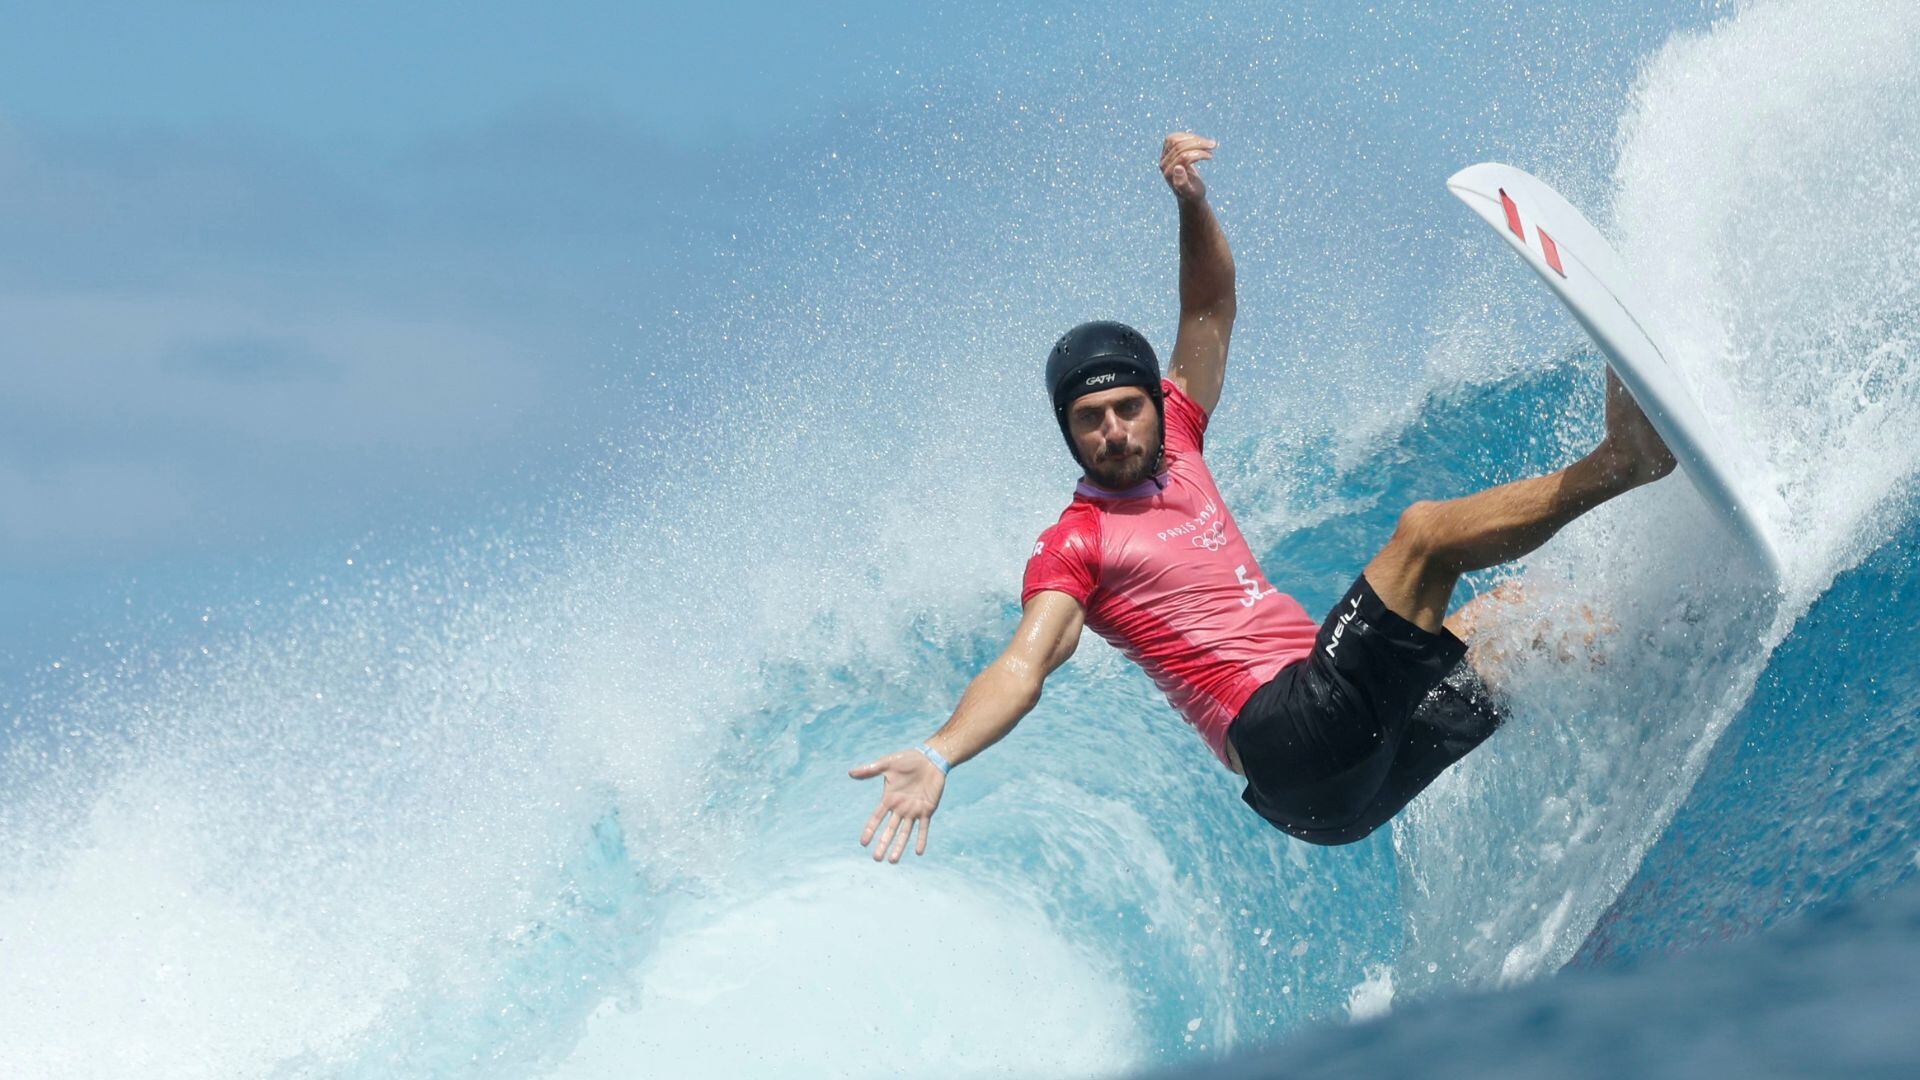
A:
(1166, 577)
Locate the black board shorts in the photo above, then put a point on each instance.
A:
(1337, 743)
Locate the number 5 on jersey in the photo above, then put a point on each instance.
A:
(1254, 592)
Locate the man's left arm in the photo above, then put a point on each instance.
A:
(1199, 365)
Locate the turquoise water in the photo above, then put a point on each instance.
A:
(566, 795)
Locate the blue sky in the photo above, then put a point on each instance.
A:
(350, 70)
(278, 278)
(274, 277)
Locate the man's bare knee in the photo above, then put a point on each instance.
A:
(1411, 574)
(1423, 539)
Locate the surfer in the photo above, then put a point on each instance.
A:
(1336, 725)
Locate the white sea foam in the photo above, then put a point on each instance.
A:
(948, 981)
(1373, 998)
(419, 821)
(1764, 199)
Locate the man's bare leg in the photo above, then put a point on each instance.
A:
(1436, 542)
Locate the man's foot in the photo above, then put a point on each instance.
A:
(1633, 452)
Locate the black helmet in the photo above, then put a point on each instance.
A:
(1096, 356)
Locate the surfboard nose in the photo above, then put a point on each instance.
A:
(1584, 271)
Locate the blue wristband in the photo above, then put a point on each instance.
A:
(933, 755)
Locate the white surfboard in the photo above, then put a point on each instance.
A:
(1583, 271)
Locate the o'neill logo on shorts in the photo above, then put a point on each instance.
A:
(1340, 627)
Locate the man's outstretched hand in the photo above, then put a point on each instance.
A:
(1178, 156)
(911, 793)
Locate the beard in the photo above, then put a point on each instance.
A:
(1121, 473)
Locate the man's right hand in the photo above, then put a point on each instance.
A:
(911, 794)
(1178, 155)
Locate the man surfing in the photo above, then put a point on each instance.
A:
(1336, 725)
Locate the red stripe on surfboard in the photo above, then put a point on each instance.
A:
(1513, 216)
(1553, 251)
